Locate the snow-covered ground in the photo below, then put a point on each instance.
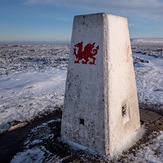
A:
(149, 78)
(25, 96)
(32, 80)
(35, 149)
(32, 83)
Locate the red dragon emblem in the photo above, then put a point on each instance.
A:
(85, 55)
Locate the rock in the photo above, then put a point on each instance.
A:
(4, 127)
(148, 116)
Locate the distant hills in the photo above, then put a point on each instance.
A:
(147, 41)
(134, 41)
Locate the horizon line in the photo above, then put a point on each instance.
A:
(60, 42)
(70, 40)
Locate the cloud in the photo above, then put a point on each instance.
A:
(37, 2)
(150, 8)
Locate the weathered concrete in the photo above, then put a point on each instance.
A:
(100, 107)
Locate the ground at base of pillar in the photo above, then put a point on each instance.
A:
(41, 143)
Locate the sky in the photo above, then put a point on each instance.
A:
(51, 20)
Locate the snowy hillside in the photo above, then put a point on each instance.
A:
(32, 84)
(146, 41)
(32, 80)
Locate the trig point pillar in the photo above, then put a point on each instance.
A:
(100, 107)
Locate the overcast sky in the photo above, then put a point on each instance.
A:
(51, 20)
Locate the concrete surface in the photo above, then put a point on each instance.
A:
(100, 106)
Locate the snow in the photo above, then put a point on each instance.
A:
(32, 80)
(147, 41)
(148, 153)
(30, 155)
(75, 146)
(124, 146)
(128, 142)
(27, 95)
(35, 148)
(149, 79)
(32, 83)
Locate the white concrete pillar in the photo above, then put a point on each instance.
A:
(100, 107)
